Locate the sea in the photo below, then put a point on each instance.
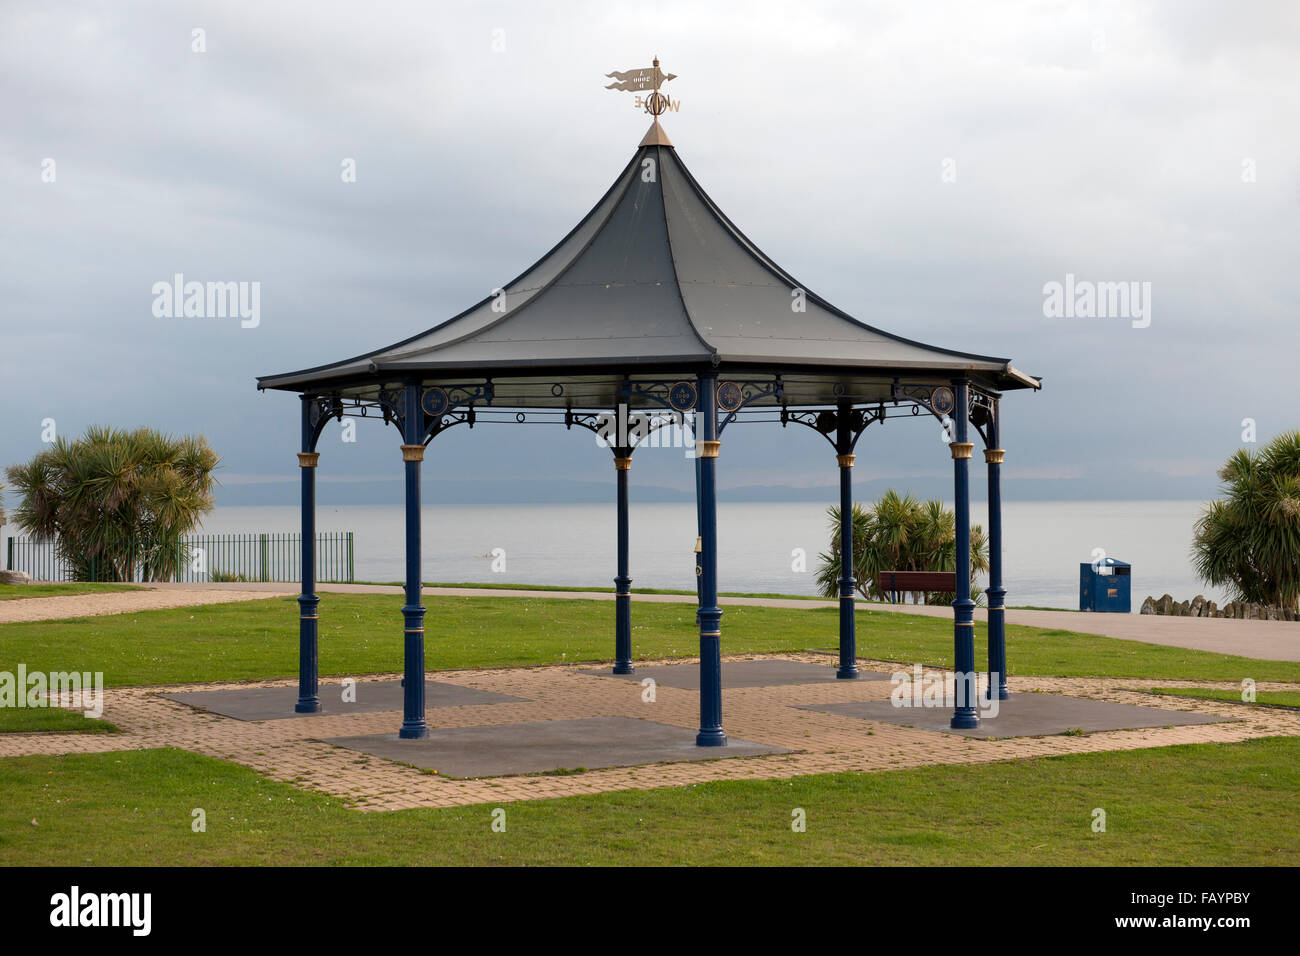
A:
(762, 547)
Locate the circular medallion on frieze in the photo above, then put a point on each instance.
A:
(682, 396)
(942, 401)
(729, 396)
(434, 402)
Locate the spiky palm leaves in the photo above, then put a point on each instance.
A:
(118, 502)
(1249, 542)
(899, 533)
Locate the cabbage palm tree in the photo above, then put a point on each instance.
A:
(117, 502)
(1249, 542)
(899, 533)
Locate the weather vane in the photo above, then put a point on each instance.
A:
(648, 78)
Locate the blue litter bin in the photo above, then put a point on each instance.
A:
(1106, 585)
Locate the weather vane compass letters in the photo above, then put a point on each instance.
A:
(649, 78)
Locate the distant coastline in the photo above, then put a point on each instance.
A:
(476, 490)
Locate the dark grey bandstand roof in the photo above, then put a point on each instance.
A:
(655, 279)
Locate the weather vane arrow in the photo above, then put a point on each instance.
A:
(647, 78)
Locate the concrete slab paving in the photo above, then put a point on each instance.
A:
(1024, 715)
(536, 747)
(275, 703)
(738, 674)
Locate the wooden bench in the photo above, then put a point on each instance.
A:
(895, 583)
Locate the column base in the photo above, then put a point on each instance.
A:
(413, 731)
(963, 721)
(624, 669)
(1003, 694)
(307, 705)
(711, 738)
(847, 673)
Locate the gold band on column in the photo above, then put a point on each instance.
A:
(846, 461)
(308, 459)
(709, 449)
(994, 456)
(962, 449)
(623, 464)
(412, 453)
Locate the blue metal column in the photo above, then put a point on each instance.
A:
(622, 583)
(308, 600)
(993, 456)
(709, 615)
(848, 669)
(963, 716)
(413, 724)
(699, 528)
(699, 517)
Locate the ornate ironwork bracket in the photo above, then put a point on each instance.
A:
(322, 409)
(734, 395)
(939, 401)
(639, 427)
(339, 408)
(826, 422)
(441, 406)
(983, 415)
(389, 403)
(678, 396)
(445, 406)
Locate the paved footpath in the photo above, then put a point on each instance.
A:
(98, 603)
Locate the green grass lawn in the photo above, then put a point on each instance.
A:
(14, 592)
(488, 585)
(1234, 804)
(362, 634)
(1212, 804)
(30, 720)
(1265, 698)
(485, 585)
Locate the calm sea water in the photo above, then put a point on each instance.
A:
(1044, 543)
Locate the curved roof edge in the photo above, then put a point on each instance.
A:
(609, 321)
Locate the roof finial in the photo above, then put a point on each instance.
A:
(656, 104)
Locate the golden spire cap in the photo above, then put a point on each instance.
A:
(655, 136)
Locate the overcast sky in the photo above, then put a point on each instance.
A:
(928, 167)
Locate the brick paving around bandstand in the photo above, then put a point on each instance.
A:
(293, 750)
